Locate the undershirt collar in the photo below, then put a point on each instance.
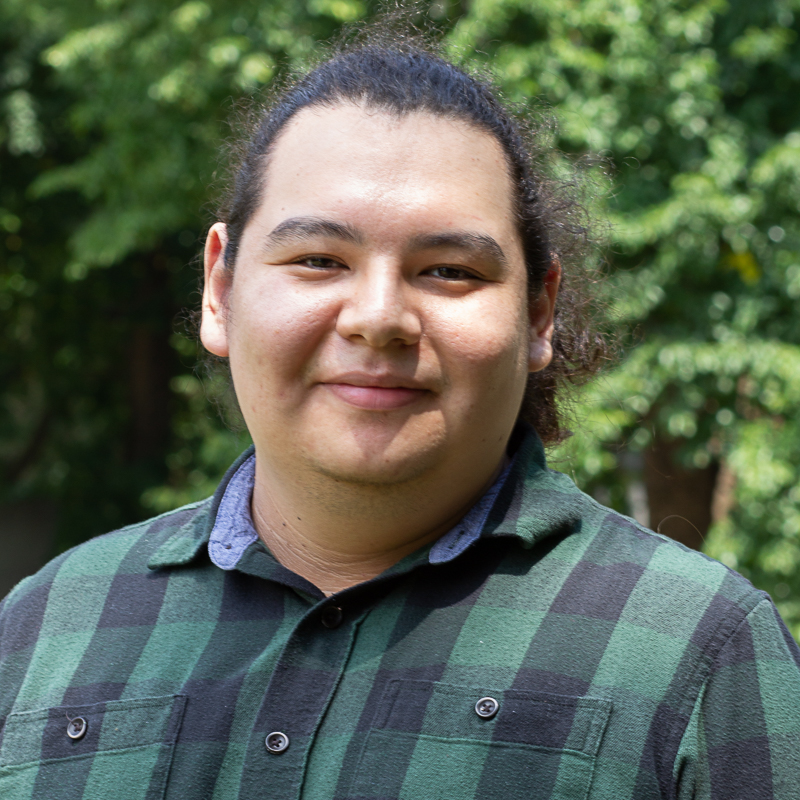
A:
(234, 531)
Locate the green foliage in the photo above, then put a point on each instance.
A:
(111, 113)
(111, 117)
(695, 105)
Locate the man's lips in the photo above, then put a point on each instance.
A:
(367, 395)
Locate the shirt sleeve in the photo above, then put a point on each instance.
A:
(743, 737)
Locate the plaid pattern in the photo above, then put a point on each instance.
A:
(623, 666)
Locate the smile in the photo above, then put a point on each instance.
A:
(376, 398)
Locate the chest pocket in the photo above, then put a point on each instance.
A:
(429, 742)
(119, 749)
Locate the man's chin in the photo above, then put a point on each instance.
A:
(384, 453)
(380, 470)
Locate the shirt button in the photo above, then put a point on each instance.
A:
(331, 616)
(486, 707)
(277, 742)
(76, 728)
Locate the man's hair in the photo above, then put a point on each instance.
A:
(400, 74)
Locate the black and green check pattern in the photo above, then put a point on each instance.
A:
(624, 666)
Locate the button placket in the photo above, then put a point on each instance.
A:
(287, 728)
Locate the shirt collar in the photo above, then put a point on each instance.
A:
(536, 502)
(185, 540)
(527, 501)
(234, 531)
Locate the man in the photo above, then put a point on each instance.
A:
(391, 596)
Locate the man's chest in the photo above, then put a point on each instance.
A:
(481, 684)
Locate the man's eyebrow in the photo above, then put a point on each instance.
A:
(301, 228)
(297, 229)
(479, 244)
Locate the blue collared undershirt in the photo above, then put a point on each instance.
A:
(234, 531)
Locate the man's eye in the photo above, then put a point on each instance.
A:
(319, 262)
(451, 273)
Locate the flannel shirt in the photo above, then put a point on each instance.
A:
(566, 653)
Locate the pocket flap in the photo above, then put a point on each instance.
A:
(42, 735)
(538, 719)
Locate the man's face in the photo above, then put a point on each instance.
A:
(378, 324)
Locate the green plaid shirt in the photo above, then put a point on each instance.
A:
(567, 653)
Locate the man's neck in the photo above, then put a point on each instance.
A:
(337, 535)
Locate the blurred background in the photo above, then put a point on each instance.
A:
(111, 117)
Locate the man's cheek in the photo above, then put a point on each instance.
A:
(273, 337)
(482, 348)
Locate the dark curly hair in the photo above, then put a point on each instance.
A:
(402, 74)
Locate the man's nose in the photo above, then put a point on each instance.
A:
(379, 309)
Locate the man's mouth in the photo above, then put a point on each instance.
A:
(375, 393)
(376, 398)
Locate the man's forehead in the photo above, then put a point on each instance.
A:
(347, 165)
(319, 135)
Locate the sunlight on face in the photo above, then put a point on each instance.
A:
(379, 322)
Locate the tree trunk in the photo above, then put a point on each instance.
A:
(150, 365)
(680, 499)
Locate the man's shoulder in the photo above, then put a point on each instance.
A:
(654, 579)
(582, 564)
(129, 550)
(602, 543)
(623, 607)
(607, 566)
(65, 613)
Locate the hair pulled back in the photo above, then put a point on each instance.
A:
(399, 75)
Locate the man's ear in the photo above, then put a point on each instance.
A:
(542, 312)
(216, 288)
